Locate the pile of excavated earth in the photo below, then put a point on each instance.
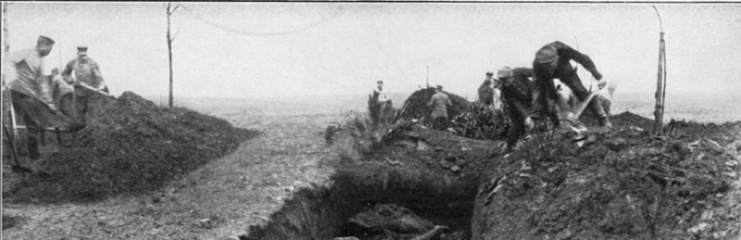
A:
(132, 146)
(622, 183)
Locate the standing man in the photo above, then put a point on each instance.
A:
(440, 103)
(486, 92)
(517, 91)
(552, 61)
(382, 97)
(30, 90)
(497, 94)
(87, 72)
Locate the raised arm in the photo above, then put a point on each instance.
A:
(570, 53)
(10, 63)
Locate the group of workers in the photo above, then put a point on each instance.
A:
(527, 99)
(525, 92)
(32, 84)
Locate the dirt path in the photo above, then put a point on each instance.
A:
(218, 201)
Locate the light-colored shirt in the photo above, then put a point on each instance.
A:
(28, 74)
(88, 73)
(381, 95)
(440, 102)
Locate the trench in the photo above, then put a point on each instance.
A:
(322, 212)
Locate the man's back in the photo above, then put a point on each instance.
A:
(440, 103)
(29, 66)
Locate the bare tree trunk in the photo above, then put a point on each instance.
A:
(169, 52)
(660, 82)
(170, 39)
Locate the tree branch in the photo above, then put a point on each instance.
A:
(176, 34)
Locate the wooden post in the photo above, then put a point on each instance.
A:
(660, 82)
(428, 76)
(170, 39)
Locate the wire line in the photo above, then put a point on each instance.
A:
(250, 33)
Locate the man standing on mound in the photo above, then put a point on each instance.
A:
(486, 92)
(552, 61)
(87, 72)
(440, 103)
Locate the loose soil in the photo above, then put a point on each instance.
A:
(622, 184)
(132, 146)
(416, 104)
(289, 184)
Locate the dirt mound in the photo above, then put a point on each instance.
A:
(416, 104)
(132, 146)
(623, 184)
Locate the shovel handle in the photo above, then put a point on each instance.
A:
(12, 145)
(98, 91)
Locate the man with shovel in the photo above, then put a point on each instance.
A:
(517, 91)
(31, 91)
(553, 61)
(90, 89)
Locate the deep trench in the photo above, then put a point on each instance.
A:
(322, 212)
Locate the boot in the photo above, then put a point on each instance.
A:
(32, 145)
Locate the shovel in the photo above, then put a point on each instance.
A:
(581, 106)
(98, 91)
(16, 168)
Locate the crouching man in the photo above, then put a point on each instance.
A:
(553, 61)
(517, 92)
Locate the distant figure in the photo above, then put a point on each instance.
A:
(30, 89)
(496, 102)
(486, 92)
(552, 61)
(440, 103)
(382, 97)
(517, 91)
(87, 72)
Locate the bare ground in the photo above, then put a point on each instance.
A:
(216, 201)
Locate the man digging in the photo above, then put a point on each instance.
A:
(552, 61)
(88, 83)
(31, 92)
(518, 96)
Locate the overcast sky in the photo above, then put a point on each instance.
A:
(259, 49)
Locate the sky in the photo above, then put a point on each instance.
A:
(241, 50)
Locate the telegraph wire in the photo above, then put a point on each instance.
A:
(198, 17)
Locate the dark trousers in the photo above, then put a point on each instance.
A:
(88, 107)
(517, 117)
(33, 113)
(544, 82)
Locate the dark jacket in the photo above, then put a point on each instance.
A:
(520, 88)
(486, 93)
(565, 54)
